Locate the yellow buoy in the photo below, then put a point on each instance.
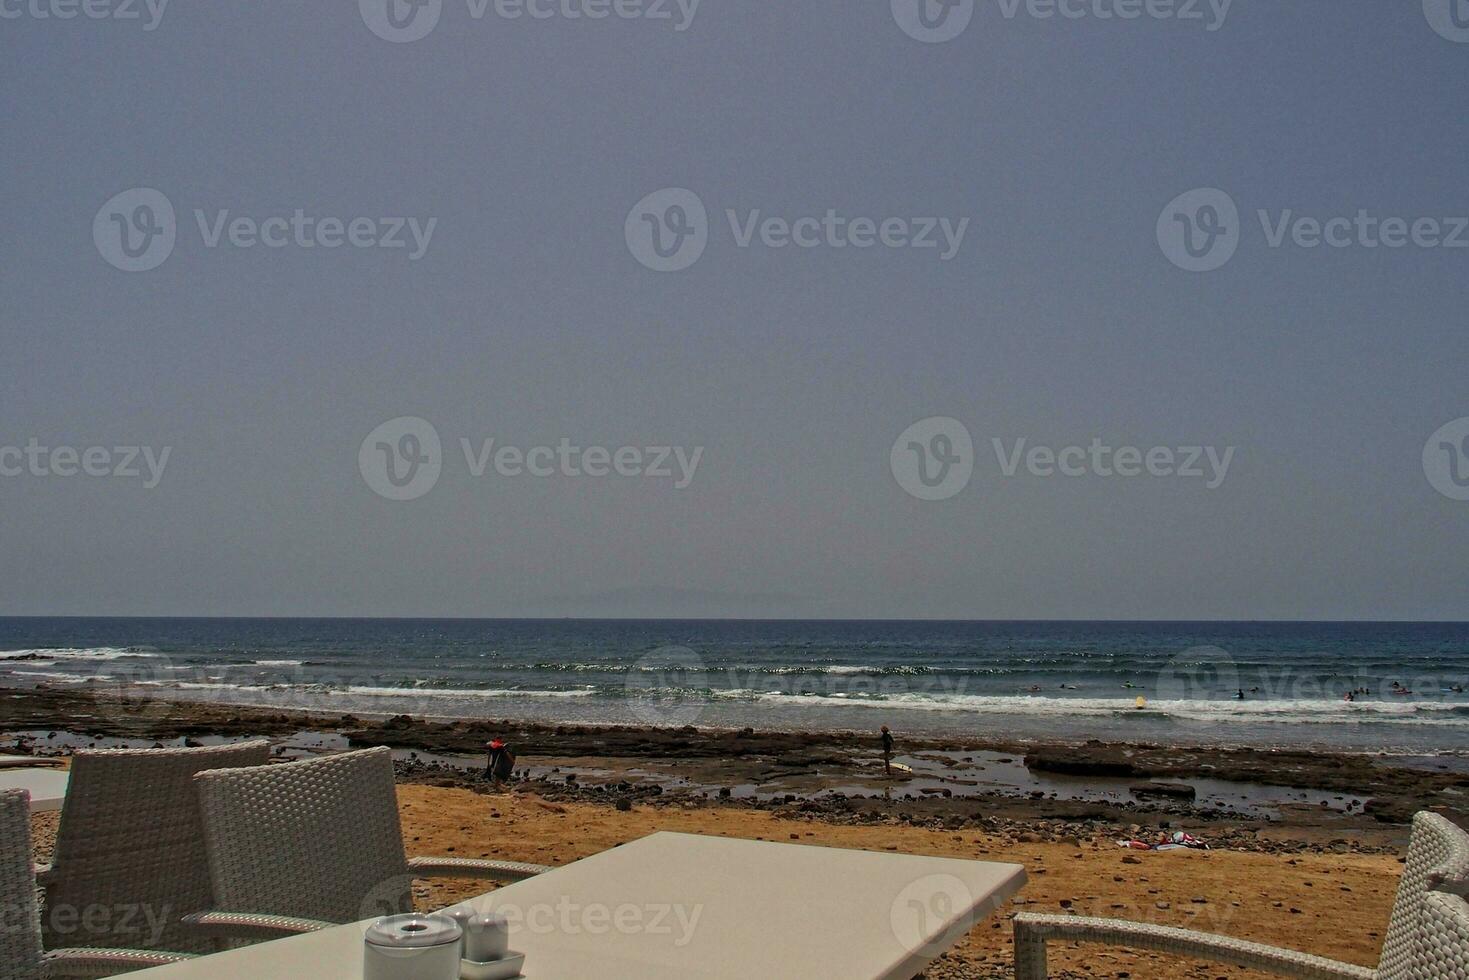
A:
(1142, 703)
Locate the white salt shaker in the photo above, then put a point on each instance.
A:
(412, 947)
(463, 915)
(488, 937)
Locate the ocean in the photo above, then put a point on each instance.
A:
(1262, 684)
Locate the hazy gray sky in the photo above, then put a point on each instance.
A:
(527, 318)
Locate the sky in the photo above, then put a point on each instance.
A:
(294, 245)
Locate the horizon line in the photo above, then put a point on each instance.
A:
(735, 619)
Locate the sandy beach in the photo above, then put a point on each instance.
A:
(1334, 904)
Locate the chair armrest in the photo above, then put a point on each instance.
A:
(248, 925)
(1033, 931)
(91, 963)
(444, 867)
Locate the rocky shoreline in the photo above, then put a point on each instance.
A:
(1047, 791)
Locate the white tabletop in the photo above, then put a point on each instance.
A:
(676, 906)
(46, 786)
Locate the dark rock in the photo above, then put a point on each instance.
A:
(1181, 791)
(1074, 765)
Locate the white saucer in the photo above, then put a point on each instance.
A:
(505, 968)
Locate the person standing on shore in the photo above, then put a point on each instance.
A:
(500, 764)
(887, 751)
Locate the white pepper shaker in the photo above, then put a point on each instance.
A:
(463, 915)
(488, 937)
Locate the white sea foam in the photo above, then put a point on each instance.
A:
(278, 663)
(54, 676)
(74, 653)
(447, 693)
(1222, 712)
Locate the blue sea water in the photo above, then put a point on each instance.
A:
(1235, 683)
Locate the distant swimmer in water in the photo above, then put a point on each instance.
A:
(1239, 695)
(1350, 696)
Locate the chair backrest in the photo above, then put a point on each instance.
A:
(20, 919)
(1441, 950)
(129, 861)
(1437, 852)
(318, 839)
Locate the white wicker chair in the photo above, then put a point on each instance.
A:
(20, 917)
(301, 845)
(1438, 855)
(1441, 947)
(131, 843)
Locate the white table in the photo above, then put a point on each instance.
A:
(676, 906)
(46, 786)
